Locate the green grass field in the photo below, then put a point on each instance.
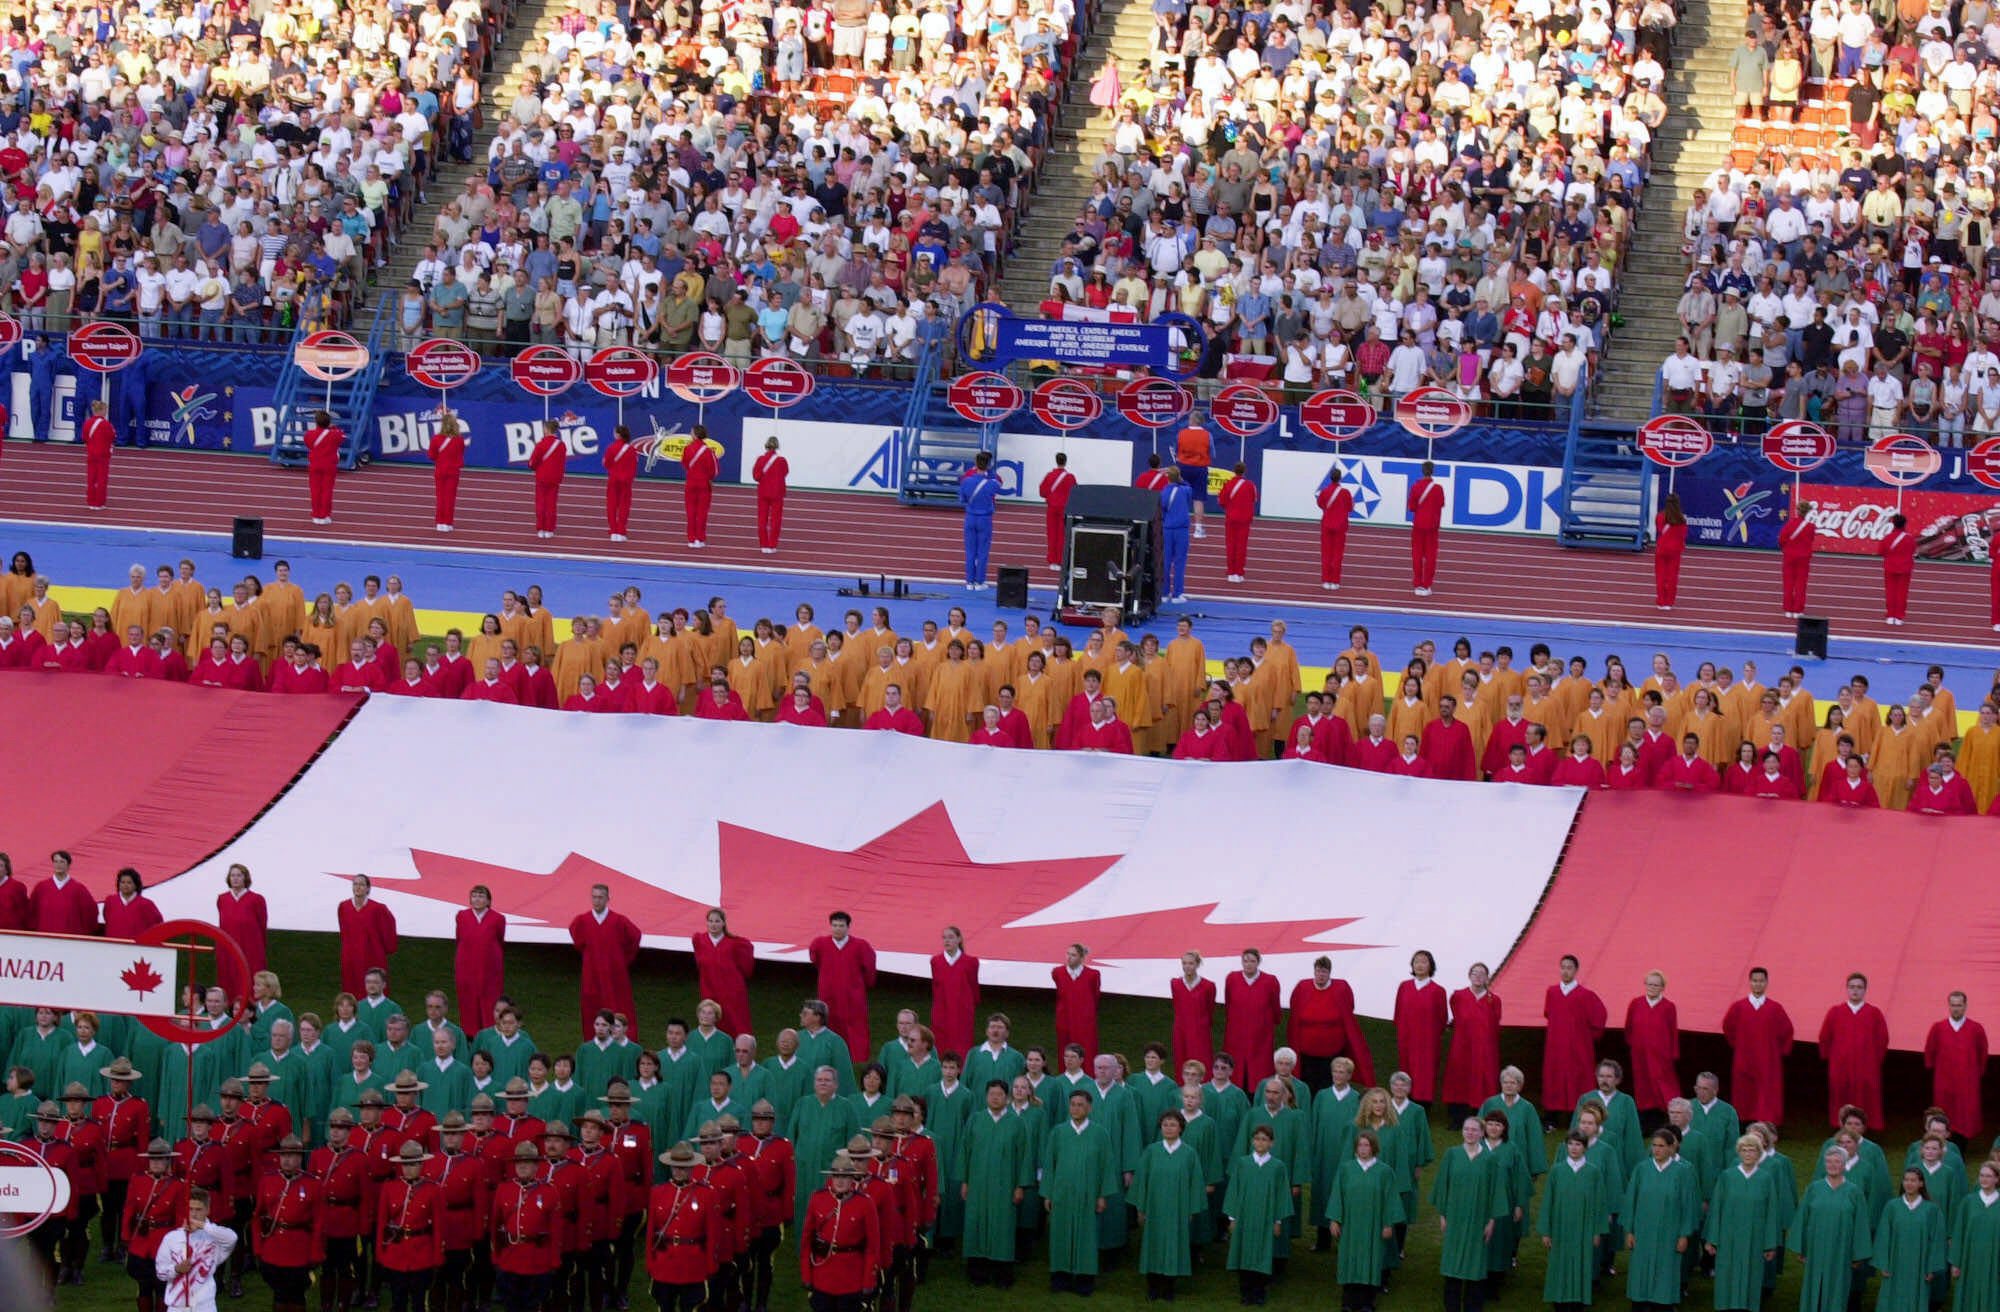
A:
(543, 981)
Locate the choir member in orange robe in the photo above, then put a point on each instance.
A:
(367, 936)
(954, 993)
(1472, 1071)
(1252, 1004)
(609, 944)
(724, 963)
(846, 966)
(1125, 683)
(1033, 697)
(1078, 986)
(1575, 1017)
(951, 697)
(1979, 757)
(1193, 1001)
(1421, 1012)
(1853, 1040)
(1899, 755)
(750, 680)
(1653, 1033)
(1955, 1050)
(1408, 714)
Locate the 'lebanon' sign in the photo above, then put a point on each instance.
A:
(87, 974)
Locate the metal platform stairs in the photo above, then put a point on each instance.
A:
(937, 444)
(351, 401)
(1606, 482)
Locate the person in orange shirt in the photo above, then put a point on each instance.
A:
(1191, 453)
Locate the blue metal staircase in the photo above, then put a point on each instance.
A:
(937, 444)
(1605, 485)
(351, 401)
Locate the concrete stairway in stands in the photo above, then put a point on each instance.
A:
(1690, 146)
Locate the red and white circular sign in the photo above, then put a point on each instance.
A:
(34, 1190)
(10, 331)
(442, 363)
(1243, 410)
(778, 382)
(1335, 415)
(330, 356)
(1983, 462)
(545, 371)
(1675, 441)
(620, 371)
(1432, 413)
(1798, 446)
(700, 377)
(104, 347)
(1154, 402)
(984, 397)
(1066, 404)
(1902, 460)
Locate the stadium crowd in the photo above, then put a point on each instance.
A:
(1470, 715)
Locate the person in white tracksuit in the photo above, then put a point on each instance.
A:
(190, 1255)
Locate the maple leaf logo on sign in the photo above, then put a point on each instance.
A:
(141, 978)
(778, 891)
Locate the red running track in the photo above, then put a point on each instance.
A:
(1503, 575)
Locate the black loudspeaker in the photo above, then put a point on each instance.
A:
(1113, 552)
(1811, 639)
(247, 541)
(1012, 590)
(1113, 502)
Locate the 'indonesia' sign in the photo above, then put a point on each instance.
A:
(87, 974)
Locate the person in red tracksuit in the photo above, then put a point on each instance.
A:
(1670, 537)
(409, 1241)
(323, 442)
(1336, 508)
(1426, 510)
(1899, 561)
(1239, 507)
(98, 439)
(770, 473)
(527, 1233)
(621, 469)
(699, 466)
(548, 459)
(290, 1222)
(1057, 484)
(1796, 542)
(447, 453)
(153, 1206)
(683, 1234)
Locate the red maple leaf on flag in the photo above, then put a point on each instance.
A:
(141, 978)
(901, 887)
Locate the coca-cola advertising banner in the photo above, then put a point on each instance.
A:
(1748, 511)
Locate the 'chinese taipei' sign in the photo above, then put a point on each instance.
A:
(87, 974)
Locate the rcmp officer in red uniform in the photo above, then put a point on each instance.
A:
(767, 1156)
(48, 1238)
(562, 1167)
(732, 1196)
(347, 1189)
(378, 1144)
(239, 1158)
(526, 1234)
(900, 1280)
(154, 1204)
(465, 1193)
(125, 1121)
(840, 1243)
(889, 1221)
(683, 1234)
(86, 1175)
(201, 1161)
(602, 1207)
(408, 1242)
(632, 1141)
(290, 1213)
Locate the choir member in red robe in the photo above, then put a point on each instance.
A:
(1955, 1050)
(1194, 1011)
(61, 904)
(1251, 1003)
(128, 912)
(1653, 1033)
(1472, 1071)
(609, 943)
(1446, 746)
(1853, 787)
(1373, 750)
(1104, 733)
(1410, 762)
(367, 936)
(846, 966)
(719, 701)
(1201, 743)
(1323, 1026)
(1759, 1032)
(14, 913)
(1853, 1040)
(1575, 1017)
(895, 716)
(243, 915)
(1421, 1012)
(954, 993)
(1943, 791)
(723, 964)
(1772, 782)
(1078, 986)
(478, 963)
(1688, 772)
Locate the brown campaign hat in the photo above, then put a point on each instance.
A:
(728, 1124)
(860, 1146)
(372, 1098)
(763, 1111)
(710, 1132)
(453, 1123)
(593, 1117)
(527, 1152)
(884, 1126)
(618, 1096)
(233, 1088)
(159, 1151)
(48, 1111)
(291, 1143)
(340, 1116)
(261, 1074)
(516, 1088)
(407, 1082)
(843, 1164)
(904, 1103)
(556, 1130)
(76, 1092)
(481, 1103)
(202, 1112)
(121, 1069)
(681, 1154)
(411, 1152)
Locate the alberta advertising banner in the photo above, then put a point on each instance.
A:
(869, 458)
(1504, 498)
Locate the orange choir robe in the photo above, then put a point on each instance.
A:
(750, 679)
(949, 695)
(403, 626)
(47, 612)
(128, 608)
(573, 660)
(1032, 699)
(1899, 756)
(1605, 730)
(1359, 699)
(285, 603)
(1979, 762)
(1717, 748)
(202, 627)
(1407, 717)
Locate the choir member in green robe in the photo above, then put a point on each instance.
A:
(1226, 1105)
(1285, 1063)
(1975, 1245)
(1605, 1154)
(1028, 1216)
(749, 1082)
(83, 1056)
(1620, 1115)
(1867, 1164)
(1331, 1129)
(1944, 1184)
(374, 1007)
(1154, 1092)
(1939, 1124)
(995, 1059)
(1290, 1135)
(649, 1104)
(1079, 1183)
(1198, 1129)
(997, 1161)
(18, 1106)
(436, 1019)
(319, 1058)
(396, 1054)
(1468, 1199)
(1169, 1190)
(507, 1044)
(1662, 1212)
(1413, 1150)
(820, 1126)
(1378, 1113)
(920, 1069)
(1704, 1156)
(1909, 1251)
(722, 1100)
(871, 1098)
(601, 1059)
(790, 1079)
(1786, 1177)
(266, 1009)
(449, 1079)
(681, 1071)
(1574, 1219)
(1745, 1227)
(1364, 1205)
(895, 1051)
(1258, 1202)
(1524, 1121)
(1519, 1190)
(1833, 1234)
(1115, 1109)
(1716, 1120)
(820, 1046)
(291, 1078)
(713, 1046)
(40, 1047)
(946, 1107)
(347, 1029)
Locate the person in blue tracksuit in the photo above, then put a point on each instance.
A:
(977, 491)
(1176, 503)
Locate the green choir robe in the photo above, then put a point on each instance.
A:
(1621, 1125)
(348, 1088)
(1169, 1190)
(1524, 1130)
(996, 1156)
(319, 1074)
(1291, 1143)
(1258, 1203)
(706, 1110)
(822, 1047)
(1914, 1155)
(716, 1049)
(341, 1037)
(1662, 1206)
(1035, 1124)
(1118, 1112)
(1079, 1171)
(1718, 1124)
(893, 1056)
(817, 1130)
(983, 1063)
(1576, 1220)
(1152, 1097)
(450, 1088)
(510, 1060)
(269, 1014)
(650, 1106)
(687, 1084)
(1747, 1215)
(1466, 1194)
(1049, 1095)
(1363, 1202)
(1414, 1150)
(1945, 1186)
(374, 1013)
(392, 1059)
(1332, 1132)
(292, 1088)
(1066, 1085)
(170, 1098)
(148, 1052)
(911, 1078)
(216, 1061)
(42, 1053)
(1975, 1252)
(1228, 1105)
(597, 1064)
(1909, 1253)
(1869, 1169)
(423, 1032)
(1518, 1193)
(558, 1102)
(1200, 1134)
(1832, 1230)
(748, 1087)
(1705, 1159)
(786, 1082)
(80, 1065)
(945, 1115)
(16, 1113)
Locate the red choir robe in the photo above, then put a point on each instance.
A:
(811, 716)
(14, 912)
(1853, 792)
(135, 663)
(900, 720)
(1076, 1009)
(458, 673)
(65, 908)
(1956, 1055)
(1500, 740)
(1194, 1016)
(365, 677)
(1569, 1054)
(1447, 750)
(1015, 725)
(540, 687)
(1542, 764)
(723, 967)
(1201, 745)
(1113, 736)
(729, 706)
(1852, 1042)
(1514, 774)
(1420, 1019)
(1655, 750)
(609, 947)
(1076, 717)
(1251, 1008)
(1323, 1024)
(491, 690)
(1953, 798)
(246, 919)
(1625, 779)
(124, 919)
(1688, 774)
(1760, 1038)
(846, 973)
(1653, 1033)
(478, 966)
(1307, 751)
(421, 686)
(1472, 1072)
(367, 939)
(1368, 753)
(1412, 767)
(653, 699)
(1332, 740)
(954, 1001)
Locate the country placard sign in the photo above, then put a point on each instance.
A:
(700, 377)
(1335, 415)
(1154, 402)
(1983, 462)
(442, 363)
(984, 397)
(1902, 460)
(1798, 446)
(1243, 410)
(545, 371)
(10, 332)
(104, 347)
(88, 974)
(1432, 413)
(1066, 404)
(620, 371)
(1674, 441)
(34, 1190)
(778, 382)
(330, 356)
